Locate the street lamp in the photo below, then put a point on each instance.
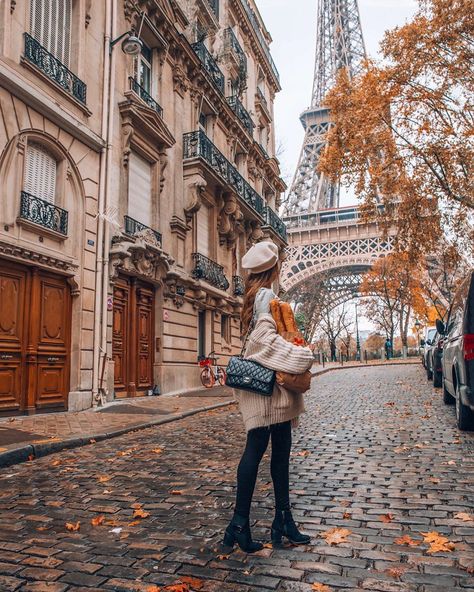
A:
(131, 44)
(357, 336)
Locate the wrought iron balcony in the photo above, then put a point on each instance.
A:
(232, 45)
(274, 221)
(214, 4)
(241, 113)
(210, 65)
(145, 96)
(54, 69)
(238, 284)
(263, 44)
(262, 98)
(198, 145)
(206, 269)
(133, 228)
(41, 212)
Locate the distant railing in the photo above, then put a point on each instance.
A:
(231, 43)
(43, 213)
(133, 227)
(210, 65)
(54, 69)
(145, 96)
(262, 97)
(212, 272)
(198, 145)
(333, 216)
(242, 113)
(274, 221)
(256, 27)
(238, 285)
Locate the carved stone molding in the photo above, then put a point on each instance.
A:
(254, 233)
(12, 6)
(180, 80)
(26, 255)
(88, 12)
(178, 226)
(230, 220)
(195, 186)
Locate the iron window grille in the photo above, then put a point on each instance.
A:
(274, 221)
(198, 145)
(212, 272)
(210, 65)
(145, 96)
(242, 113)
(133, 228)
(238, 285)
(42, 212)
(54, 69)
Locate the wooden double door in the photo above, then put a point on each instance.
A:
(133, 336)
(35, 333)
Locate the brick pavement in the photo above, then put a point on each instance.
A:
(375, 441)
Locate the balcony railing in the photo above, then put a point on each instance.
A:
(145, 96)
(133, 228)
(241, 113)
(238, 285)
(210, 65)
(198, 145)
(54, 69)
(338, 216)
(274, 221)
(262, 98)
(214, 4)
(43, 213)
(263, 44)
(232, 45)
(206, 269)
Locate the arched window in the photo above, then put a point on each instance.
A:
(50, 25)
(40, 173)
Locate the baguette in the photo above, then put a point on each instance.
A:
(275, 309)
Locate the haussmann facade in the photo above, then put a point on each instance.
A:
(131, 187)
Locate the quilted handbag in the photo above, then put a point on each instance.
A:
(247, 375)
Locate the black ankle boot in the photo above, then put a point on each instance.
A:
(238, 532)
(285, 526)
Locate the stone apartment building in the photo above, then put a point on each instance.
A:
(132, 185)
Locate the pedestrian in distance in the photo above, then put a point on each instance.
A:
(264, 417)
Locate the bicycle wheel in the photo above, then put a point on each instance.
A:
(207, 377)
(221, 376)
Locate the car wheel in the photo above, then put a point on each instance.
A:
(448, 398)
(464, 415)
(437, 378)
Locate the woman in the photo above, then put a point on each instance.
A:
(266, 417)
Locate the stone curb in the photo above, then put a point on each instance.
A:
(363, 365)
(23, 453)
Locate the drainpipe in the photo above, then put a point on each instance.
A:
(102, 249)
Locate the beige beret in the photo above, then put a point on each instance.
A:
(260, 257)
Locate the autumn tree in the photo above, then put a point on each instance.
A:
(334, 323)
(374, 342)
(403, 130)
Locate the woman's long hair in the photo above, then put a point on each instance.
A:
(253, 283)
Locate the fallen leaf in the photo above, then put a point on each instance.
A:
(407, 540)
(223, 557)
(74, 527)
(347, 515)
(395, 572)
(386, 518)
(316, 587)
(390, 404)
(194, 583)
(335, 536)
(98, 520)
(103, 478)
(153, 589)
(360, 450)
(139, 513)
(268, 546)
(177, 588)
(31, 457)
(437, 542)
(92, 441)
(11, 419)
(434, 480)
(157, 450)
(176, 492)
(134, 523)
(464, 517)
(55, 463)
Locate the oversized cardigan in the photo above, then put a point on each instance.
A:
(266, 347)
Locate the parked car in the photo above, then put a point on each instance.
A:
(433, 355)
(458, 354)
(427, 340)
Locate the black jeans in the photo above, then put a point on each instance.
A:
(257, 442)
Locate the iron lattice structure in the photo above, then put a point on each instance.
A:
(340, 44)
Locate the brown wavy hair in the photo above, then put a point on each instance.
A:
(253, 283)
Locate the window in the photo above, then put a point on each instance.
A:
(139, 189)
(202, 334)
(40, 173)
(143, 68)
(203, 229)
(50, 25)
(225, 328)
(203, 122)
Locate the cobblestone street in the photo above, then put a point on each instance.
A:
(377, 454)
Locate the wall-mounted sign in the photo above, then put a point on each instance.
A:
(110, 303)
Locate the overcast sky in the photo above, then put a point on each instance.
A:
(292, 24)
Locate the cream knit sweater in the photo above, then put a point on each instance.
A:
(266, 347)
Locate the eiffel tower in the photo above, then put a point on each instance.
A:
(340, 44)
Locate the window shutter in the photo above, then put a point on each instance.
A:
(40, 173)
(203, 228)
(50, 25)
(139, 189)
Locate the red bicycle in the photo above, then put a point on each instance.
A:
(211, 372)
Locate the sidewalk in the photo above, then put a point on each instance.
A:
(28, 437)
